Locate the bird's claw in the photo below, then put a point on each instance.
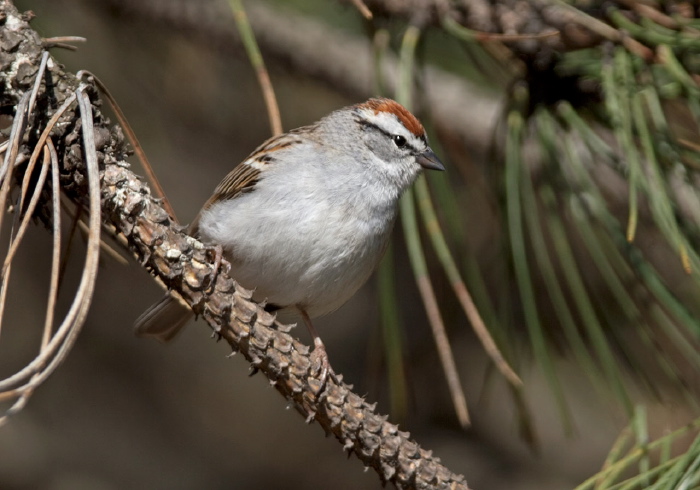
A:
(321, 365)
(219, 261)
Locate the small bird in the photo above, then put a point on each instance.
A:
(306, 218)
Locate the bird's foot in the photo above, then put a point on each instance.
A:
(322, 366)
(219, 261)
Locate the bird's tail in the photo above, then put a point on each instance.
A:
(163, 320)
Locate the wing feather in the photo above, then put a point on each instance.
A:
(241, 179)
(247, 173)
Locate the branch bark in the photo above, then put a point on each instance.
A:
(185, 265)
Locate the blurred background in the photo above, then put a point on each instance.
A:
(124, 412)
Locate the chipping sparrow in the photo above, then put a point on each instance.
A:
(306, 217)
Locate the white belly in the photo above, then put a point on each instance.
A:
(312, 253)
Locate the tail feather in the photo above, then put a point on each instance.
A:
(163, 320)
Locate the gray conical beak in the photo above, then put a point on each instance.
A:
(429, 160)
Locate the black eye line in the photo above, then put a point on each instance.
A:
(408, 145)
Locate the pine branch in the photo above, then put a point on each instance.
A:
(186, 266)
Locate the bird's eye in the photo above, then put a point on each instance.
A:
(399, 140)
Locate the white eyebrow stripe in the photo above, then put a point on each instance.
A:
(390, 124)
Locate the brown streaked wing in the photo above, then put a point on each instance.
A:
(244, 176)
(239, 180)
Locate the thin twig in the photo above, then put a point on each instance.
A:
(8, 165)
(256, 59)
(30, 167)
(6, 173)
(39, 362)
(63, 42)
(599, 27)
(364, 10)
(25, 394)
(56, 247)
(106, 248)
(133, 139)
(73, 211)
(444, 349)
(459, 287)
(75, 226)
(29, 212)
(466, 34)
(691, 145)
(65, 39)
(651, 13)
(417, 255)
(67, 333)
(37, 80)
